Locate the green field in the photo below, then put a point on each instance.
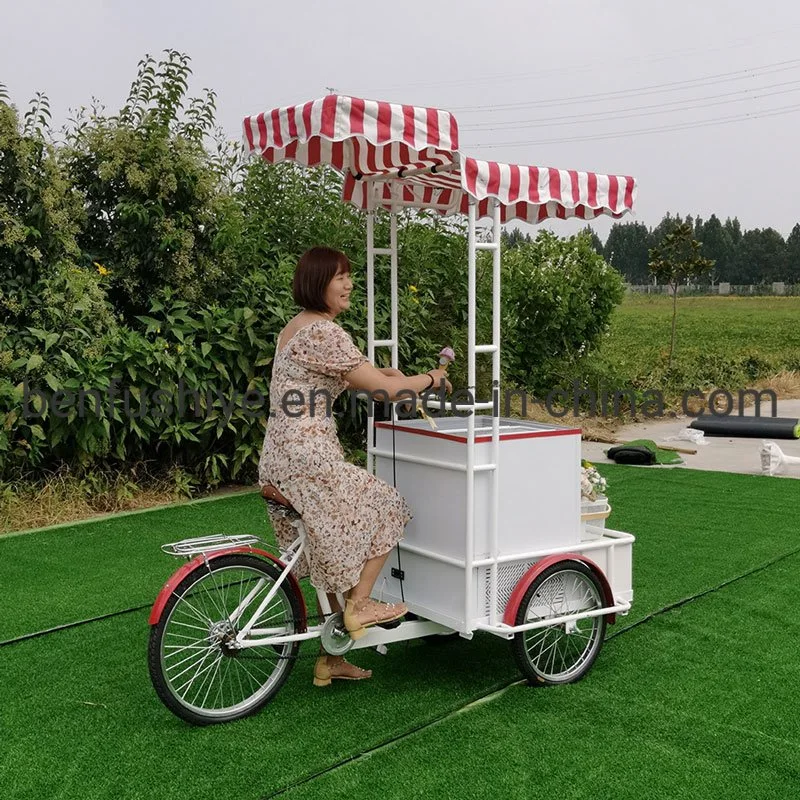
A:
(728, 342)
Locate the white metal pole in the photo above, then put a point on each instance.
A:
(469, 555)
(396, 188)
(370, 189)
(495, 477)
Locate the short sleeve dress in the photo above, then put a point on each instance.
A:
(349, 514)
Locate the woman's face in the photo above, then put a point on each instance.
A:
(337, 293)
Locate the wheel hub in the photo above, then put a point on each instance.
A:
(222, 635)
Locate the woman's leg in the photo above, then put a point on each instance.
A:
(336, 666)
(369, 574)
(361, 609)
(333, 601)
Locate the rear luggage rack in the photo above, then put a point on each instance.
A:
(208, 544)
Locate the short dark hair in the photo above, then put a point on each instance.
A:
(314, 272)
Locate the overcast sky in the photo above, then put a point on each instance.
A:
(700, 101)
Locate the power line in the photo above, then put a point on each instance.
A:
(657, 88)
(667, 107)
(781, 111)
(593, 67)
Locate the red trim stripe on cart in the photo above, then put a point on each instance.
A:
(480, 439)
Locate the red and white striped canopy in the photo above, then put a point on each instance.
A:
(358, 136)
(363, 139)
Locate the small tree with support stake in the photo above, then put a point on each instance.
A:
(673, 261)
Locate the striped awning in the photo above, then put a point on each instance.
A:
(365, 139)
(362, 137)
(534, 194)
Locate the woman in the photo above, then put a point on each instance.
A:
(353, 519)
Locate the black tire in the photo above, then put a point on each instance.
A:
(215, 683)
(561, 653)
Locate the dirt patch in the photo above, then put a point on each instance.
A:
(40, 507)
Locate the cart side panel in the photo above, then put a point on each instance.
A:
(432, 589)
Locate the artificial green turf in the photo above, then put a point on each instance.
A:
(701, 698)
(80, 718)
(68, 574)
(700, 702)
(695, 529)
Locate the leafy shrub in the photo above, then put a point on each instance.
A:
(137, 263)
(558, 295)
(40, 213)
(159, 213)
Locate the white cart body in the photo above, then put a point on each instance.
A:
(538, 515)
(492, 497)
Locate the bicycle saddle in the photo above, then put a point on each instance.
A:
(276, 500)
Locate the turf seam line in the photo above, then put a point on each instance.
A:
(678, 603)
(68, 625)
(496, 691)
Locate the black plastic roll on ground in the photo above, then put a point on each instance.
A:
(756, 427)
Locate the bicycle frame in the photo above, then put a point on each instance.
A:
(250, 635)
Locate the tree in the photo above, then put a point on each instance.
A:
(558, 296)
(673, 262)
(626, 250)
(597, 244)
(793, 255)
(698, 227)
(734, 230)
(668, 224)
(760, 257)
(39, 212)
(717, 245)
(159, 210)
(513, 237)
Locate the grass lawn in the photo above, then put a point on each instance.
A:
(697, 701)
(723, 341)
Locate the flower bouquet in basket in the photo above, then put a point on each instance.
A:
(593, 484)
(594, 503)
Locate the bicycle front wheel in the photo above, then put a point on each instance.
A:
(198, 670)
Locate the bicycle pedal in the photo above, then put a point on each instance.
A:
(395, 623)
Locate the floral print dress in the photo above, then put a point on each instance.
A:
(350, 515)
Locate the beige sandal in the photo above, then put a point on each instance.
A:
(361, 614)
(324, 672)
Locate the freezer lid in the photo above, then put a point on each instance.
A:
(454, 429)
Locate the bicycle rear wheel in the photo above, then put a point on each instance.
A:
(563, 652)
(196, 668)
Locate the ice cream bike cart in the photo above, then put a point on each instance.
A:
(498, 543)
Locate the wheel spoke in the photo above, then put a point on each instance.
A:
(201, 663)
(196, 615)
(191, 657)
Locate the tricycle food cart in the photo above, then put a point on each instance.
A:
(498, 542)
